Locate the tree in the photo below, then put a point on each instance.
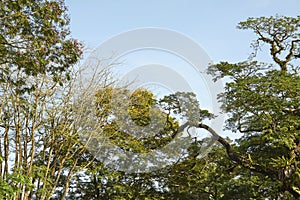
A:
(37, 138)
(35, 40)
(127, 128)
(261, 100)
(281, 34)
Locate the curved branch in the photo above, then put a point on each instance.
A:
(247, 163)
(291, 51)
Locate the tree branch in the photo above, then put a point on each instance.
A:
(291, 51)
(247, 163)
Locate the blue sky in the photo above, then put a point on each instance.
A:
(211, 23)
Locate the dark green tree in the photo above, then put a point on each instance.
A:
(262, 101)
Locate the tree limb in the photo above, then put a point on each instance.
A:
(244, 162)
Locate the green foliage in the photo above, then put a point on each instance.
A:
(125, 127)
(35, 39)
(281, 33)
(10, 185)
(39, 126)
(262, 101)
(37, 56)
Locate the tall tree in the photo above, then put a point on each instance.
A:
(37, 58)
(262, 101)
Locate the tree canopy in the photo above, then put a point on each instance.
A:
(35, 39)
(51, 130)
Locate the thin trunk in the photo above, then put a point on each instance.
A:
(67, 185)
(1, 157)
(57, 178)
(44, 181)
(6, 151)
(25, 153)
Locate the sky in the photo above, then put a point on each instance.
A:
(211, 23)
